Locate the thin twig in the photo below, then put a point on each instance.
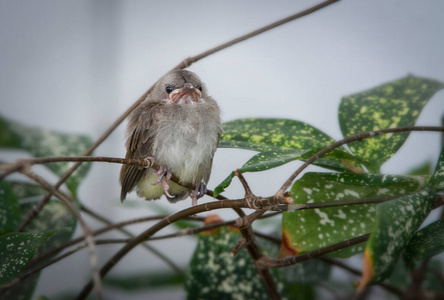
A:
(86, 230)
(353, 138)
(336, 203)
(270, 262)
(158, 226)
(187, 62)
(130, 235)
(24, 163)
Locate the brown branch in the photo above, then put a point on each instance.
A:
(22, 164)
(269, 262)
(357, 137)
(130, 235)
(158, 226)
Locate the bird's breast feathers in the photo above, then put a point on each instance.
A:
(186, 143)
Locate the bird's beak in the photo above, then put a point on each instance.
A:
(188, 93)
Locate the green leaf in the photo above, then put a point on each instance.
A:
(25, 190)
(432, 279)
(145, 280)
(9, 208)
(397, 222)
(311, 271)
(437, 180)
(395, 104)
(425, 168)
(427, 242)
(280, 141)
(54, 215)
(214, 274)
(16, 250)
(264, 161)
(41, 143)
(308, 230)
(23, 290)
(274, 136)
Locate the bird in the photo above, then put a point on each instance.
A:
(179, 125)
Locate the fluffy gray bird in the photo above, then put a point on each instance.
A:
(179, 125)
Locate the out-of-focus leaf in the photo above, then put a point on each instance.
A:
(26, 190)
(54, 215)
(300, 291)
(311, 271)
(214, 274)
(395, 104)
(437, 180)
(425, 243)
(425, 168)
(9, 208)
(397, 222)
(40, 143)
(16, 249)
(23, 290)
(432, 279)
(141, 281)
(308, 230)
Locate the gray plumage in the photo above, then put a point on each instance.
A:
(176, 128)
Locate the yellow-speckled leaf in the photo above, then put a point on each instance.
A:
(395, 104)
(308, 230)
(397, 221)
(280, 141)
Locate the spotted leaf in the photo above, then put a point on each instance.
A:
(16, 249)
(53, 215)
(280, 141)
(308, 230)
(437, 180)
(397, 221)
(40, 143)
(427, 242)
(395, 104)
(9, 208)
(214, 274)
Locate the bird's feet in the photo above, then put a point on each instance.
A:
(164, 176)
(199, 191)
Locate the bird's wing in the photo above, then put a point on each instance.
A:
(143, 124)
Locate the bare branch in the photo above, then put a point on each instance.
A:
(86, 230)
(270, 262)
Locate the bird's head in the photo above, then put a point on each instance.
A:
(180, 87)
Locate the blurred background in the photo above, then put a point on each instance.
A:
(76, 66)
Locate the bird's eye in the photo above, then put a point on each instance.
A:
(199, 87)
(168, 89)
